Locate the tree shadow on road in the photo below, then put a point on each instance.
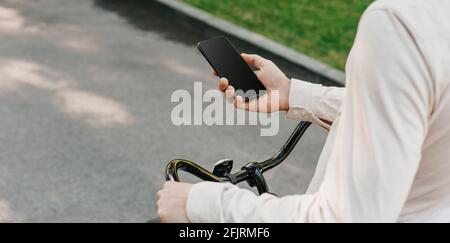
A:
(150, 16)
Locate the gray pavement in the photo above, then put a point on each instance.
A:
(85, 127)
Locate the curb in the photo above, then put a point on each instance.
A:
(284, 52)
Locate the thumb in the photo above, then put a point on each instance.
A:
(254, 60)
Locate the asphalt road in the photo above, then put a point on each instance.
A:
(85, 127)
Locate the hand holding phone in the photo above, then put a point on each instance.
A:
(227, 63)
(278, 85)
(267, 75)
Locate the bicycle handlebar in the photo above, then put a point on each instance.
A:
(252, 172)
(190, 167)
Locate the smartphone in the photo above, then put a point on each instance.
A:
(228, 63)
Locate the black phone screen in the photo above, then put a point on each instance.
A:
(228, 63)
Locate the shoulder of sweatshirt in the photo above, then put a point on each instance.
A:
(427, 23)
(426, 19)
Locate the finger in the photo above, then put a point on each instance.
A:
(223, 84)
(251, 105)
(230, 93)
(254, 60)
(240, 103)
(254, 105)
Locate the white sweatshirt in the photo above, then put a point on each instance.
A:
(387, 157)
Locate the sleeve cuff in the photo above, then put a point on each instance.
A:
(302, 105)
(301, 94)
(204, 204)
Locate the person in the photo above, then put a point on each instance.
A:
(386, 158)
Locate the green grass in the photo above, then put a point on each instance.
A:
(322, 29)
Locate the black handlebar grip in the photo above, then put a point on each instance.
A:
(185, 165)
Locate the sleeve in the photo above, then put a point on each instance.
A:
(314, 102)
(378, 141)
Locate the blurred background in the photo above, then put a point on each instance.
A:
(85, 88)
